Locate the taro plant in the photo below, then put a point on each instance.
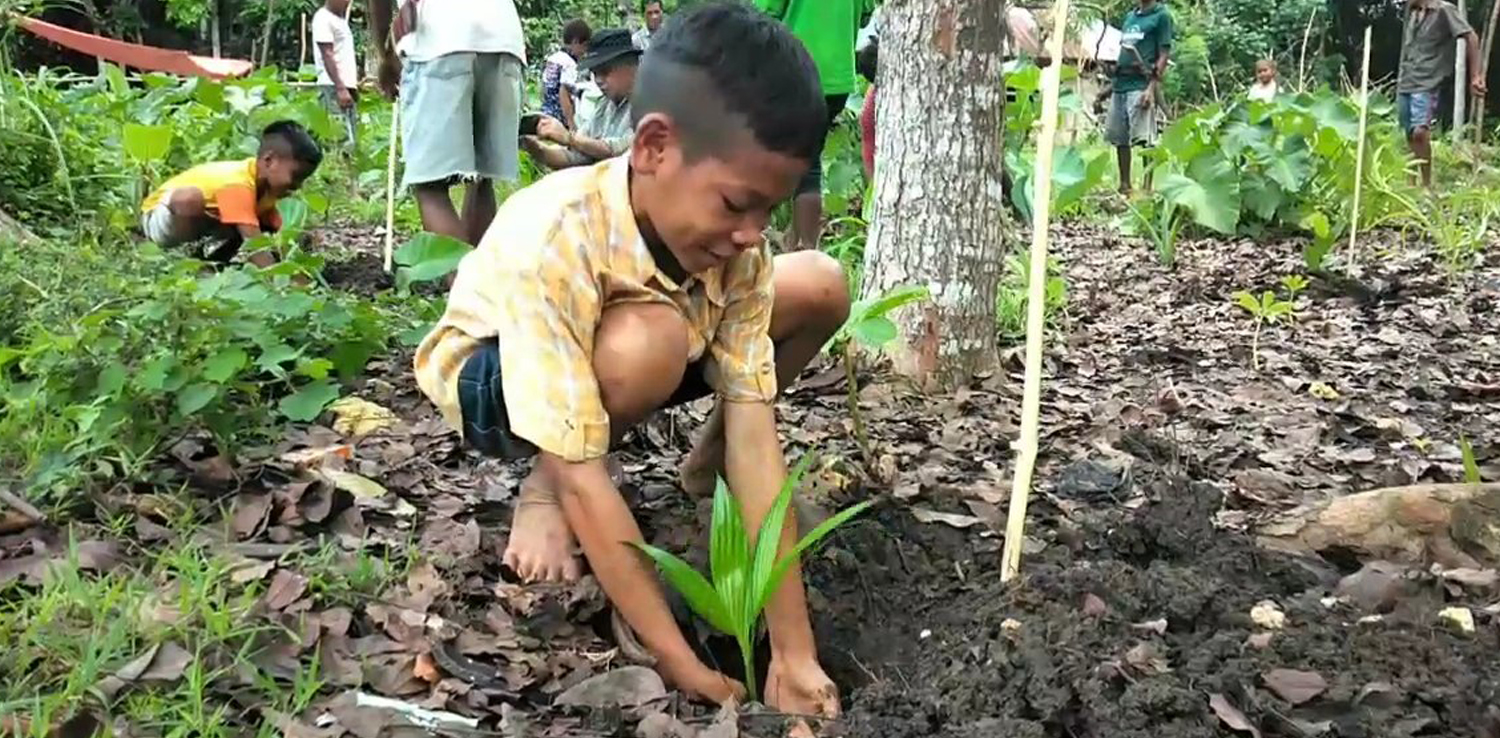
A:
(428, 256)
(744, 573)
(1266, 309)
(869, 326)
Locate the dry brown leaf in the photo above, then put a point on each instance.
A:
(251, 510)
(286, 587)
(1296, 687)
(426, 669)
(925, 515)
(1145, 659)
(1260, 640)
(250, 570)
(322, 456)
(1231, 715)
(358, 417)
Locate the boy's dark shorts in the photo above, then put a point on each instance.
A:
(812, 182)
(481, 400)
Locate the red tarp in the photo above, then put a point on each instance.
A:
(146, 58)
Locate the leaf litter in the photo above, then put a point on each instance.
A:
(1159, 444)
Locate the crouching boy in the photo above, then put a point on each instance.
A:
(233, 201)
(603, 294)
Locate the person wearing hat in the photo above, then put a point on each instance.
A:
(612, 58)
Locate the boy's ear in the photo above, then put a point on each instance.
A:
(656, 137)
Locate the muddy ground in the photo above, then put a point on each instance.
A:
(1161, 447)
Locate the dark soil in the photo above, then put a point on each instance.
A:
(915, 619)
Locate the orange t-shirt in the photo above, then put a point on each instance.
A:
(228, 193)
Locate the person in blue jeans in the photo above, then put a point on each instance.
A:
(1427, 52)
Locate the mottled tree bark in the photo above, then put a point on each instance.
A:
(939, 208)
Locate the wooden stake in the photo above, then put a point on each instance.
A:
(390, 187)
(1359, 161)
(302, 44)
(1036, 295)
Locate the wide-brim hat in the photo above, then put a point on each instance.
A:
(608, 45)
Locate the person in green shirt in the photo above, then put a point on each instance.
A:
(829, 29)
(1145, 45)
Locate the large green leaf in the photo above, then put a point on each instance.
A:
(874, 331)
(1210, 191)
(700, 595)
(729, 558)
(195, 397)
(305, 404)
(146, 143)
(1292, 166)
(768, 540)
(429, 256)
(1261, 196)
(293, 214)
(224, 364)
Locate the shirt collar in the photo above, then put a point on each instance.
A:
(616, 198)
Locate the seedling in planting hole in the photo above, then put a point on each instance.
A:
(1267, 309)
(745, 573)
(868, 325)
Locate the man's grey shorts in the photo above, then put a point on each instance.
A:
(1128, 124)
(460, 117)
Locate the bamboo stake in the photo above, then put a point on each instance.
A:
(1031, 399)
(390, 187)
(1359, 161)
(1484, 68)
(302, 44)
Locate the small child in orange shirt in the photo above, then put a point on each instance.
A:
(233, 200)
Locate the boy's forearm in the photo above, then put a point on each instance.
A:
(756, 469)
(566, 102)
(1476, 67)
(605, 530)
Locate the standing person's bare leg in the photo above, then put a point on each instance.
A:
(1122, 156)
(807, 221)
(436, 208)
(1421, 147)
(479, 209)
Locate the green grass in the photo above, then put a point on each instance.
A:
(66, 635)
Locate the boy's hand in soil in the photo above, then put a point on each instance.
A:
(756, 470)
(598, 517)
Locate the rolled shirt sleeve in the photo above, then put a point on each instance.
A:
(742, 359)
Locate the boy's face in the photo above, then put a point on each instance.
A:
(338, 6)
(282, 174)
(710, 209)
(653, 16)
(576, 49)
(1264, 73)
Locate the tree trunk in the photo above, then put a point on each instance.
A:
(213, 28)
(939, 208)
(1484, 65)
(11, 231)
(265, 36)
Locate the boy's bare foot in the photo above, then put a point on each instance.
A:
(700, 682)
(800, 688)
(541, 543)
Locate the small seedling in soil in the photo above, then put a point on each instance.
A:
(868, 326)
(1471, 464)
(1267, 309)
(745, 573)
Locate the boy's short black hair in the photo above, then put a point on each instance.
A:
(577, 30)
(648, 3)
(289, 138)
(724, 65)
(867, 60)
